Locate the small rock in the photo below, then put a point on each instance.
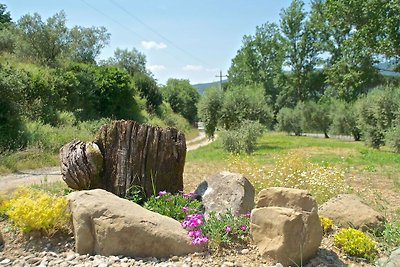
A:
(245, 251)
(5, 261)
(228, 264)
(70, 257)
(174, 258)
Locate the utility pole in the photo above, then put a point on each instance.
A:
(220, 78)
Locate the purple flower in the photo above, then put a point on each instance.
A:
(243, 227)
(228, 228)
(192, 221)
(200, 240)
(247, 215)
(195, 233)
(168, 199)
(185, 209)
(190, 194)
(162, 193)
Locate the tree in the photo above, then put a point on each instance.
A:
(301, 39)
(245, 103)
(182, 97)
(5, 17)
(148, 90)
(315, 116)
(44, 42)
(87, 43)
(209, 109)
(289, 120)
(259, 60)
(344, 119)
(132, 61)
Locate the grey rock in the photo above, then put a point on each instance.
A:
(392, 261)
(226, 191)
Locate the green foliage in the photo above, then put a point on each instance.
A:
(315, 116)
(131, 61)
(377, 113)
(344, 119)
(245, 103)
(223, 229)
(388, 235)
(182, 97)
(174, 206)
(31, 209)
(209, 109)
(289, 121)
(5, 17)
(326, 224)
(148, 89)
(356, 243)
(243, 138)
(136, 194)
(392, 138)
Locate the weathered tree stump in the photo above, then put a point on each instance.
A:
(132, 154)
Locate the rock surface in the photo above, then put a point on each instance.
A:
(108, 225)
(226, 191)
(1, 240)
(285, 225)
(392, 261)
(348, 210)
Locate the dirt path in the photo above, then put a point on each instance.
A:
(52, 174)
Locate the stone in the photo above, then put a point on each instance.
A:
(108, 225)
(392, 261)
(226, 191)
(285, 225)
(348, 210)
(1, 240)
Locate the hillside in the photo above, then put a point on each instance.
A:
(200, 87)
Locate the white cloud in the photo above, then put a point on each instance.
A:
(153, 45)
(156, 67)
(212, 70)
(193, 68)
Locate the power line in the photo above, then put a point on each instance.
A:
(159, 34)
(220, 78)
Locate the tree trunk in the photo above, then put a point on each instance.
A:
(134, 154)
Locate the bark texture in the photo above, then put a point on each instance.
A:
(132, 154)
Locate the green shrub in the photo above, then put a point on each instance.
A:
(377, 113)
(344, 119)
(289, 121)
(30, 209)
(225, 228)
(388, 234)
(315, 116)
(209, 109)
(356, 243)
(392, 138)
(243, 139)
(174, 206)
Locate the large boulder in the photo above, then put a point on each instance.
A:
(285, 225)
(108, 225)
(348, 210)
(226, 191)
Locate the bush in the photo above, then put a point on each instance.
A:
(315, 116)
(356, 243)
(242, 139)
(174, 206)
(245, 103)
(289, 121)
(30, 209)
(377, 113)
(392, 138)
(344, 119)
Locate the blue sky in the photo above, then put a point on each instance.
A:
(181, 39)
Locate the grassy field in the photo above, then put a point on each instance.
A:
(372, 174)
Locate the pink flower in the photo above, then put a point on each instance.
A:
(247, 215)
(185, 209)
(190, 194)
(162, 193)
(168, 199)
(228, 229)
(243, 227)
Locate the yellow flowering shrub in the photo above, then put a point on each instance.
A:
(31, 209)
(356, 243)
(326, 224)
(294, 171)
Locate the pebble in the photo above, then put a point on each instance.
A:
(245, 251)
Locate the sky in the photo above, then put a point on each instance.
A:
(182, 39)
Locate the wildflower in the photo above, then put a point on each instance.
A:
(228, 229)
(195, 233)
(200, 240)
(190, 194)
(185, 209)
(162, 193)
(247, 215)
(243, 227)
